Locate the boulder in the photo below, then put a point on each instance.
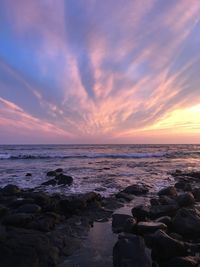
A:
(130, 250)
(51, 173)
(28, 174)
(166, 220)
(150, 227)
(50, 182)
(168, 191)
(187, 223)
(17, 219)
(3, 210)
(182, 262)
(141, 212)
(166, 200)
(29, 208)
(10, 190)
(119, 221)
(59, 170)
(164, 247)
(185, 199)
(163, 210)
(185, 186)
(136, 189)
(127, 197)
(64, 179)
(196, 194)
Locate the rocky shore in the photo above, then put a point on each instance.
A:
(38, 229)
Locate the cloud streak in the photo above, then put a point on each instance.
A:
(98, 71)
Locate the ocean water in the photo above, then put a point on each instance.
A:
(102, 168)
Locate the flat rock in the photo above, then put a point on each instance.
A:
(119, 221)
(130, 250)
(150, 227)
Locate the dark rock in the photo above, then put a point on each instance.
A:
(185, 199)
(141, 212)
(187, 223)
(127, 197)
(154, 202)
(50, 182)
(130, 226)
(10, 190)
(17, 219)
(182, 262)
(119, 221)
(28, 174)
(64, 179)
(3, 210)
(176, 236)
(29, 208)
(196, 194)
(185, 186)
(59, 170)
(164, 247)
(21, 201)
(165, 219)
(24, 248)
(51, 173)
(136, 189)
(166, 200)
(163, 210)
(150, 227)
(168, 191)
(130, 250)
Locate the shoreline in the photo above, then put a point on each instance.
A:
(39, 229)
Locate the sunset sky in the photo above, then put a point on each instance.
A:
(99, 71)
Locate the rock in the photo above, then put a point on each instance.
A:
(164, 247)
(165, 200)
(141, 212)
(64, 179)
(50, 182)
(31, 248)
(3, 210)
(166, 220)
(187, 223)
(182, 262)
(176, 236)
(150, 227)
(119, 222)
(59, 170)
(130, 226)
(17, 219)
(29, 208)
(130, 250)
(154, 202)
(185, 199)
(136, 189)
(28, 174)
(185, 186)
(163, 210)
(51, 173)
(127, 197)
(168, 191)
(196, 194)
(10, 190)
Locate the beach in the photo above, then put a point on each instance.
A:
(91, 205)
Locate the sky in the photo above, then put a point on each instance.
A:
(99, 71)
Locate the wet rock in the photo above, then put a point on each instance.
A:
(163, 210)
(185, 186)
(3, 210)
(59, 170)
(141, 212)
(168, 191)
(182, 262)
(28, 174)
(176, 236)
(185, 199)
(119, 221)
(165, 219)
(187, 223)
(150, 227)
(50, 182)
(166, 200)
(10, 190)
(127, 197)
(164, 247)
(130, 226)
(17, 219)
(31, 248)
(130, 250)
(51, 173)
(64, 179)
(29, 208)
(196, 194)
(154, 202)
(136, 189)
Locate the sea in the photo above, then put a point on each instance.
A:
(105, 169)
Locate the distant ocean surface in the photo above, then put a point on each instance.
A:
(102, 168)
